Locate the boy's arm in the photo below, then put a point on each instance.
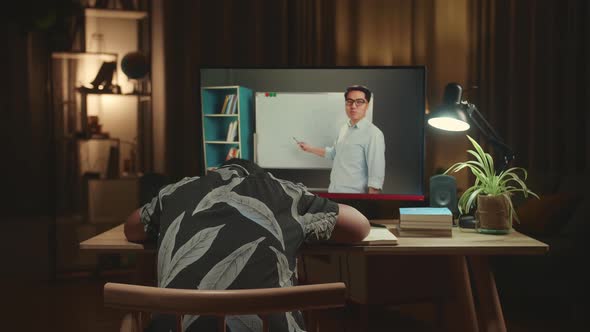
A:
(134, 229)
(351, 225)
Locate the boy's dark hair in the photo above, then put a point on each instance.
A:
(361, 88)
(150, 185)
(249, 165)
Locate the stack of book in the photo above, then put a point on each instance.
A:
(425, 222)
(229, 104)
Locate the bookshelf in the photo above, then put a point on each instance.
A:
(102, 122)
(219, 114)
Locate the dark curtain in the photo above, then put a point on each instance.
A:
(26, 145)
(279, 33)
(531, 67)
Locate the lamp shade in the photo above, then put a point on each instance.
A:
(450, 115)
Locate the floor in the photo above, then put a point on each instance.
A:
(74, 304)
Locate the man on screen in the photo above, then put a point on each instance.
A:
(359, 150)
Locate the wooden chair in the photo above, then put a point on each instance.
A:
(219, 303)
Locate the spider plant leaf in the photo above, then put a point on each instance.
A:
(480, 152)
(521, 184)
(490, 163)
(464, 207)
(480, 162)
(472, 198)
(511, 211)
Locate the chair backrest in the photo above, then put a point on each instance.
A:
(221, 303)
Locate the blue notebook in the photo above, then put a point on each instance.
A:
(434, 214)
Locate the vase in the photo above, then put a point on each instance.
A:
(493, 215)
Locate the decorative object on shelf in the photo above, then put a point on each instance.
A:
(103, 82)
(95, 128)
(491, 192)
(130, 161)
(136, 66)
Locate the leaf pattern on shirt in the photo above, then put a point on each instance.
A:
(189, 253)
(293, 191)
(244, 323)
(256, 211)
(167, 245)
(292, 323)
(226, 271)
(319, 225)
(283, 269)
(150, 207)
(226, 173)
(216, 195)
(188, 320)
(169, 189)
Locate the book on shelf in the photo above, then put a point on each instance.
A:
(431, 214)
(222, 111)
(379, 235)
(230, 101)
(233, 153)
(232, 131)
(233, 105)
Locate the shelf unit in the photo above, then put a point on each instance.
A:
(215, 125)
(97, 171)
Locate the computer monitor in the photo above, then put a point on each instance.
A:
(292, 105)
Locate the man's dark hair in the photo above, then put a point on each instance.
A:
(361, 88)
(249, 165)
(150, 185)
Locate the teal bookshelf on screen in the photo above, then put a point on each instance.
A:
(218, 115)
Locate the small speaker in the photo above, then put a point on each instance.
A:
(443, 192)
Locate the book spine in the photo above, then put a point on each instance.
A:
(234, 105)
(234, 132)
(222, 111)
(230, 130)
(230, 102)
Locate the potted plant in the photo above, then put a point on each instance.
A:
(491, 191)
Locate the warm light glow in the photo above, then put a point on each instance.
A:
(448, 124)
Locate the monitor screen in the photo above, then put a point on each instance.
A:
(301, 125)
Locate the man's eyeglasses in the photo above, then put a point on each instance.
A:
(357, 102)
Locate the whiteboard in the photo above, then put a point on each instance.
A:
(312, 117)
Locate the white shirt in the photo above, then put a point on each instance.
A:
(359, 158)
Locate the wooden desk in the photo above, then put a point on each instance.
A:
(465, 254)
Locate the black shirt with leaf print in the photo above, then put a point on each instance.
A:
(233, 230)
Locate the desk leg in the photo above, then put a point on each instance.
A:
(489, 309)
(459, 315)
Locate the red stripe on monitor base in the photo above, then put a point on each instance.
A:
(372, 196)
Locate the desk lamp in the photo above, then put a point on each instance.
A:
(452, 115)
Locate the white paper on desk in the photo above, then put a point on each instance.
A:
(380, 235)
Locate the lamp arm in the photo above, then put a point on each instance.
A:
(491, 135)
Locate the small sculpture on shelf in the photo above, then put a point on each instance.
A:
(95, 128)
(136, 66)
(103, 82)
